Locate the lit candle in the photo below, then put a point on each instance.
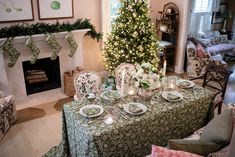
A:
(164, 69)
(123, 82)
(109, 120)
(172, 85)
(131, 92)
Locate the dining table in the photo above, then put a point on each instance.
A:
(132, 135)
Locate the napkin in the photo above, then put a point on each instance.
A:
(111, 95)
(184, 84)
(134, 108)
(172, 96)
(91, 111)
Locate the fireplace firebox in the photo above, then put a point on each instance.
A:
(42, 76)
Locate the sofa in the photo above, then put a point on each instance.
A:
(204, 48)
(8, 114)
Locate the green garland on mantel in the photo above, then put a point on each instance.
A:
(44, 28)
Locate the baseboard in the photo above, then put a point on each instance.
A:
(179, 70)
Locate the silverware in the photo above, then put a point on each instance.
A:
(123, 115)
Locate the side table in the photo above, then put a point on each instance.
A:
(229, 56)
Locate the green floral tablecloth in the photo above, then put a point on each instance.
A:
(133, 136)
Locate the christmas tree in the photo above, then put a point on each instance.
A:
(133, 38)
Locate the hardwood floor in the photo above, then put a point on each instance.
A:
(34, 137)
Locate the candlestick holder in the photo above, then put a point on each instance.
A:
(109, 119)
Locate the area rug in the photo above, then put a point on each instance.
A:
(41, 110)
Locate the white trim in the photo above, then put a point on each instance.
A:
(105, 20)
(42, 37)
(178, 70)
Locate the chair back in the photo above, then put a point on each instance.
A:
(130, 71)
(216, 78)
(85, 83)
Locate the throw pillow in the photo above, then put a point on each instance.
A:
(219, 130)
(158, 151)
(224, 39)
(216, 40)
(204, 42)
(193, 146)
(200, 51)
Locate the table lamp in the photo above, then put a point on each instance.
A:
(226, 15)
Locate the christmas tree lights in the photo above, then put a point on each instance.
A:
(133, 38)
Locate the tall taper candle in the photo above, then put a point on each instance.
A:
(123, 82)
(164, 71)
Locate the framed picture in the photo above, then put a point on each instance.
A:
(217, 17)
(15, 10)
(55, 9)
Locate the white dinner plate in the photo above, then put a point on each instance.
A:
(166, 94)
(110, 95)
(142, 106)
(88, 107)
(180, 83)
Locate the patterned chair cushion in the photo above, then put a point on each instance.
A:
(158, 151)
(130, 72)
(85, 83)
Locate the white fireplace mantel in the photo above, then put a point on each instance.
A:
(12, 79)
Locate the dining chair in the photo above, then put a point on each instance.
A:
(130, 72)
(86, 82)
(216, 79)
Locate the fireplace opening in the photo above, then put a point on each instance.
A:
(42, 76)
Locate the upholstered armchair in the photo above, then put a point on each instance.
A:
(8, 114)
(196, 65)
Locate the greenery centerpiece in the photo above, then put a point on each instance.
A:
(133, 38)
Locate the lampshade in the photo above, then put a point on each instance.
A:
(227, 14)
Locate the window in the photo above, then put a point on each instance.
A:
(114, 6)
(201, 14)
(109, 13)
(200, 6)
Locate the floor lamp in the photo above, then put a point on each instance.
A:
(226, 15)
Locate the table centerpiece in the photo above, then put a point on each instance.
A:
(147, 79)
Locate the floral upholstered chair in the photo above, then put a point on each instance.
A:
(130, 72)
(8, 114)
(85, 83)
(196, 65)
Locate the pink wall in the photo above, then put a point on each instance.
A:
(91, 9)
